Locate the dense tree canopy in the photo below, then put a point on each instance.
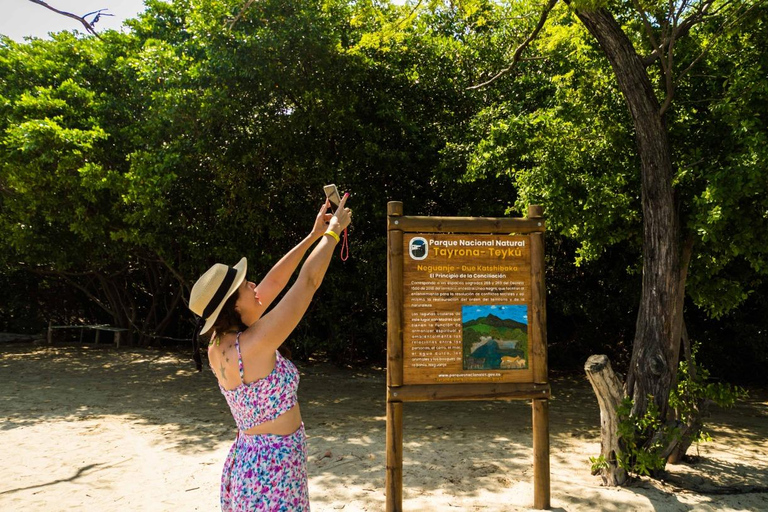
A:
(132, 161)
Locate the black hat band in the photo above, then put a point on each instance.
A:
(220, 293)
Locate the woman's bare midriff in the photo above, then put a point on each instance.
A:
(284, 425)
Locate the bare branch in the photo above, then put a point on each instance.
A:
(675, 15)
(649, 31)
(666, 22)
(99, 13)
(694, 19)
(679, 30)
(518, 52)
(88, 25)
(85, 290)
(651, 58)
(668, 79)
(182, 281)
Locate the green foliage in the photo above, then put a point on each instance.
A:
(642, 438)
(598, 464)
(573, 151)
(185, 142)
(724, 154)
(693, 392)
(130, 163)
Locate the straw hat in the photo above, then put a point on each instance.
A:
(212, 290)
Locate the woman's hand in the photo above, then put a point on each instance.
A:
(342, 218)
(322, 221)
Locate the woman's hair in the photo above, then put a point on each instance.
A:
(229, 320)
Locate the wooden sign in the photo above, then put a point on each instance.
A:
(466, 320)
(466, 308)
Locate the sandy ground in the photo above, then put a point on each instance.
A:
(93, 428)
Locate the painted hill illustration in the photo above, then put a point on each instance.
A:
(492, 343)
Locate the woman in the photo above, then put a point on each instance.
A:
(266, 466)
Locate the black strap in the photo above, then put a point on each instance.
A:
(220, 293)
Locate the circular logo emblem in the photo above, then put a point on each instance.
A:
(418, 248)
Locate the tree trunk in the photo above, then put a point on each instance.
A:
(657, 337)
(687, 434)
(609, 392)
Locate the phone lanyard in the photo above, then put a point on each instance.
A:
(344, 253)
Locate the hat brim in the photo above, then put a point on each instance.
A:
(241, 268)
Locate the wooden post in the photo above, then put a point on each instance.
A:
(535, 211)
(538, 300)
(50, 333)
(481, 225)
(541, 485)
(540, 407)
(395, 295)
(394, 478)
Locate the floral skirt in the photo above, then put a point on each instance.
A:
(266, 473)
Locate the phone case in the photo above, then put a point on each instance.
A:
(332, 194)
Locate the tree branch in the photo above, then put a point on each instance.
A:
(717, 36)
(182, 281)
(240, 14)
(672, 30)
(518, 52)
(668, 76)
(666, 23)
(88, 25)
(679, 30)
(87, 292)
(648, 29)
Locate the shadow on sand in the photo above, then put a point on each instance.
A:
(464, 447)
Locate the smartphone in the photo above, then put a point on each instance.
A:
(332, 193)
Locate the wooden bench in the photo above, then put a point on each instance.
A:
(98, 328)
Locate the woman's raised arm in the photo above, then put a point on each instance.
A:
(277, 278)
(264, 336)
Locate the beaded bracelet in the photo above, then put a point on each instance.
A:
(333, 235)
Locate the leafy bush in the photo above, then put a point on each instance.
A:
(693, 394)
(644, 439)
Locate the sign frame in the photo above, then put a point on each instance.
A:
(538, 390)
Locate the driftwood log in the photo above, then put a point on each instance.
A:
(609, 392)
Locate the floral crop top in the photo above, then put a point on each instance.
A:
(265, 399)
